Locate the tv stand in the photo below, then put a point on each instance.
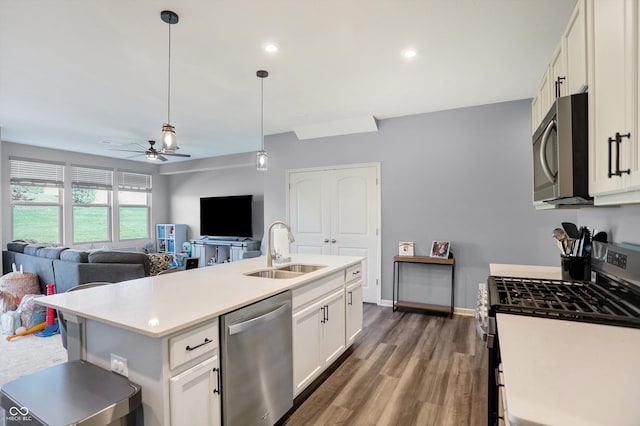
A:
(212, 250)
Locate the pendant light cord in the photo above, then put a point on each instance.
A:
(169, 85)
(262, 112)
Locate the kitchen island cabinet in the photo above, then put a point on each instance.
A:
(166, 328)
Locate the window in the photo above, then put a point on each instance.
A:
(91, 191)
(134, 199)
(36, 200)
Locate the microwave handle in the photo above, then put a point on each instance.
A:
(543, 147)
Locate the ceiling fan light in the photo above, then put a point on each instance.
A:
(152, 155)
(262, 161)
(169, 138)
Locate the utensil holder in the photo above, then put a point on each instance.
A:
(576, 268)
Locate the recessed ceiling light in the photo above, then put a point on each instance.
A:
(409, 53)
(271, 48)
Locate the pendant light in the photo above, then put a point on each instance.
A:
(262, 161)
(169, 139)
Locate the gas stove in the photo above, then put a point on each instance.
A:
(603, 302)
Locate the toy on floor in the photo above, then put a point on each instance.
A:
(51, 322)
(33, 329)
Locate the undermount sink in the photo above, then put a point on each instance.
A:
(304, 269)
(274, 273)
(289, 271)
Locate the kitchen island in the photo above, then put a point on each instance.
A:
(147, 323)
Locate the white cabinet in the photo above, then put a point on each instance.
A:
(195, 395)
(318, 338)
(353, 311)
(574, 46)
(170, 237)
(613, 119)
(567, 70)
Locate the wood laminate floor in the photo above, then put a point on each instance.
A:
(405, 369)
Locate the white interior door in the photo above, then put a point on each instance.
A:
(336, 211)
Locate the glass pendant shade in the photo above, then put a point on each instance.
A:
(262, 161)
(169, 139)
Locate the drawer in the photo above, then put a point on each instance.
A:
(353, 273)
(316, 289)
(192, 344)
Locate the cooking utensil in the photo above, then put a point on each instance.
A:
(600, 237)
(561, 240)
(571, 229)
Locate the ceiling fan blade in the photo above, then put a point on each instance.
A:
(161, 158)
(126, 150)
(134, 155)
(177, 155)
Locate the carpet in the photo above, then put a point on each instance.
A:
(28, 354)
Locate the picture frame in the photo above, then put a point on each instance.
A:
(405, 248)
(440, 249)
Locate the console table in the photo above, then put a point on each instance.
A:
(219, 250)
(398, 303)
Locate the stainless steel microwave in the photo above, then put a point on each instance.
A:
(561, 153)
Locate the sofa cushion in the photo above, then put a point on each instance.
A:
(50, 252)
(32, 249)
(159, 262)
(75, 255)
(17, 246)
(109, 256)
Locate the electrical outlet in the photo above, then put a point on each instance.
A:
(119, 365)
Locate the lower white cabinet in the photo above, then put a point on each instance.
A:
(353, 304)
(195, 395)
(318, 338)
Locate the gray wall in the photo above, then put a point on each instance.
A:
(622, 224)
(221, 176)
(461, 175)
(160, 206)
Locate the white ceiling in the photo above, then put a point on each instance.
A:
(76, 73)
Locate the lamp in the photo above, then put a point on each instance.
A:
(262, 160)
(169, 139)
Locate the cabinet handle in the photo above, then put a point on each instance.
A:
(206, 340)
(326, 309)
(618, 141)
(350, 298)
(323, 320)
(559, 81)
(217, 371)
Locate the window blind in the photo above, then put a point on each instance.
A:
(85, 177)
(128, 181)
(36, 173)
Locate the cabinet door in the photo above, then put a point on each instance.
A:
(574, 44)
(195, 396)
(545, 93)
(558, 75)
(354, 311)
(611, 97)
(307, 340)
(333, 327)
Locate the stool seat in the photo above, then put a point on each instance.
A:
(73, 393)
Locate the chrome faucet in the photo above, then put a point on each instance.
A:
(269, 248)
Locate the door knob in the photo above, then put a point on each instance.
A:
(326, 240)
(333, 241)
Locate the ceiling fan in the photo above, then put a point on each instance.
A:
(153, 154)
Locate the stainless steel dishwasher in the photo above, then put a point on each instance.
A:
(257, 366)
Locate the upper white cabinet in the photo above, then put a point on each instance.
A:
(613, 115)
(567, 70)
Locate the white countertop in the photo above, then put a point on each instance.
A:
(526, 271)
(160, 305)
(560, 372)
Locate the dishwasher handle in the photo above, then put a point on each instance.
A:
(242, 326)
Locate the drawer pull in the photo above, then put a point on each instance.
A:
(355, 272)
(206, 340)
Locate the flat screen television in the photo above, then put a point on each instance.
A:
(226, 216)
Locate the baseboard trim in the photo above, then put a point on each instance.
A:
(456, 310)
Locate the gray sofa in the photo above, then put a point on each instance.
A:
(68, 268)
